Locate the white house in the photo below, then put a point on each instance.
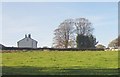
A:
(27, 42)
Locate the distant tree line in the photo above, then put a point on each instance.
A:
(100, 46)
(73, 33)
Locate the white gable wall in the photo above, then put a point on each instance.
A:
(34, 44)
(27, 43)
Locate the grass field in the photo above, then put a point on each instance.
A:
(60, 63)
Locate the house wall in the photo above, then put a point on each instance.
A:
(34, 44)
(27, 43)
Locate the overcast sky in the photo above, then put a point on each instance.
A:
(40, 19)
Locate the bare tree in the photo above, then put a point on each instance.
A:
(64, 35)
(84, 30)
(83, 26)
(115, 43)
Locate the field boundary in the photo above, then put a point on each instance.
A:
(54, 49)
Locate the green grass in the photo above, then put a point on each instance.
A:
(60, 63)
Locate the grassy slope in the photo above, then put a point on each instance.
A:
(46, 62)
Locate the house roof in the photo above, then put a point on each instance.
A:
(26, 38)
(1, 46)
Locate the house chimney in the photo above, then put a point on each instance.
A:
(29, 35)
(25, 36)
